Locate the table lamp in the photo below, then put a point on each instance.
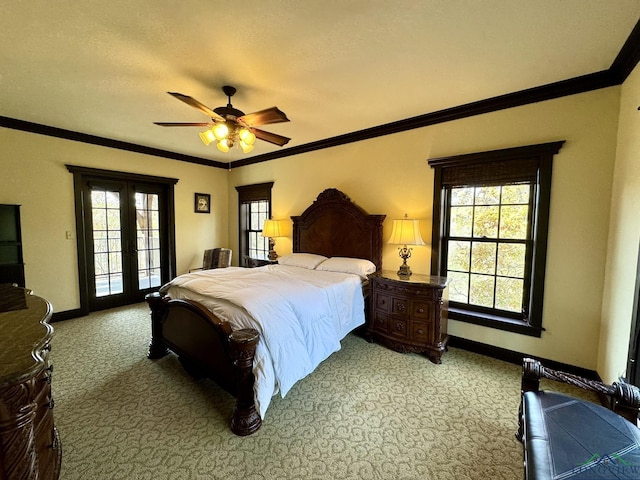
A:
(272, 229)
(405, 232)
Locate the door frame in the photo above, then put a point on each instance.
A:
(81, 176)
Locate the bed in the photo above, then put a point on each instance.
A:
(201, 323)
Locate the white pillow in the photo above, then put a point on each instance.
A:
(357, 266)
(304, 260)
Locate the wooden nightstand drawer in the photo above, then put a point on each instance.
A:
(421, 332)
(400, 306)
(381, 322)
(382, 302)
(399, 327)
(422, 310)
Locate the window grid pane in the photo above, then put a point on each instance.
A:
(488, 228)
(148, 239)
(107, 254)
(257, 245)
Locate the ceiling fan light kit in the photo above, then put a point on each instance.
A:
(228, 137)
(231, 127)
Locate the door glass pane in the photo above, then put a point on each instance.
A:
(107, 255)
(147, 239)
(101, 263)
(113, 219)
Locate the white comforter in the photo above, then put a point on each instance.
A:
(301, 316)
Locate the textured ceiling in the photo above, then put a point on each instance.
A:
(334, 66)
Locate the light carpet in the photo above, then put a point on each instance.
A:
(366, 413)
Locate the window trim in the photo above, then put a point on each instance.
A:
(247, 194)
(82, 176)
(543, 155)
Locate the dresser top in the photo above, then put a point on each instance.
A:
(24, 331)
(416, 278)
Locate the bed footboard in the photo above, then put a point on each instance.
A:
(208, 346)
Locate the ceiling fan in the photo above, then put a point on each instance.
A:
(230, 126)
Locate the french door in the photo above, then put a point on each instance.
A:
(125, 236)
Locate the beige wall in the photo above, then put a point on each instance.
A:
(624, 233)
(34, 175)
(389, 175)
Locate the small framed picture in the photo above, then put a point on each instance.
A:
(202, 203)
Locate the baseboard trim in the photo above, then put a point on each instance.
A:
(68, 314)
(517, 357)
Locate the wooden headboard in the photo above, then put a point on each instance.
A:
(334, 226)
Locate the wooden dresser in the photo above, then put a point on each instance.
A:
(407, 315)
(29, 444)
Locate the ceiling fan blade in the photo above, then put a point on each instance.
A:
(181, 124)
(264, 117)
(196, 104)
(270, 137)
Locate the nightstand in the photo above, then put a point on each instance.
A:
(406, 314)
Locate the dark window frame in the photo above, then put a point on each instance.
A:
(246, 195)
(499, 167)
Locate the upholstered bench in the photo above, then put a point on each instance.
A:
(570, 438)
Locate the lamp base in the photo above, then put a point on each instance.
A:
(404, 271)
(273, 256)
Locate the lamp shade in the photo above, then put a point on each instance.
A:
(207, 137)
(406, 232)
(272, 228)
(220, 131)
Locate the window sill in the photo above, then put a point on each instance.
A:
(494, 321)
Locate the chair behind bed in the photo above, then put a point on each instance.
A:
(215, 258)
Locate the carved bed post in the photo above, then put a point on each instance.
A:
(157, 348)
(242, 346)
(531, 374)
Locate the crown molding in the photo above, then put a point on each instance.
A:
(593, 81)
(628, 57)
(103, 142)
(620, 69)
(616, 74)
